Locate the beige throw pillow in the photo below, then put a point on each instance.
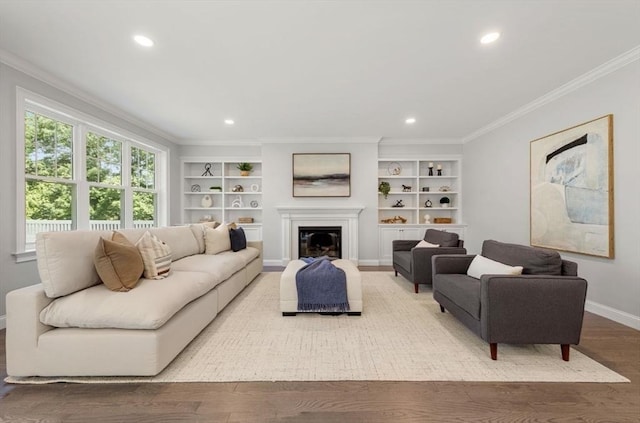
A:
(425, 244)
(484, 266)
(118, 263)
(156, 256)
(217, 240)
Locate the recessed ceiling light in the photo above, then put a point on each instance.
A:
(229, 122)
(143, 41)
(490, 37)
(410, 120)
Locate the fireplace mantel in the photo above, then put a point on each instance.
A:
(294, 216)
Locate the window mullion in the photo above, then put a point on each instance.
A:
(126, 184)
(80, 175)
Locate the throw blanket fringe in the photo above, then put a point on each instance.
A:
(322, 287)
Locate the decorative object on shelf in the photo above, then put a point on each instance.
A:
(255, 188)
(439, 168)
(444, 202)
(195, 188)
(207, 169)
(444, 188)
(215, 188)
(237, 203)
(321, 175)
(406, 188)
(572, 189)
(253, 203)
(244, 168)
(237, 188)
(206, 218)
(206, 201)
(425, 189)
(428, 204)
(395, 219)
(430, 168)
(384, 188)
(398, 204)
(427, 219)
(394, 169)
(245, 220)
(442, 220)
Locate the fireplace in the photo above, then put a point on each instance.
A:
(317, 241)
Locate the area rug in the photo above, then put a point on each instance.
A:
(400, 336)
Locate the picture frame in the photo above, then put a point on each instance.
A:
(571, 189)
(321, 174)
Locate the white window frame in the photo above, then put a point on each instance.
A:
(82, 122)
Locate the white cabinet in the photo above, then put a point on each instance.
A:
(214, 189)
(389, 234)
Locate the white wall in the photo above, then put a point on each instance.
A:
(496, 185)
(16, 275)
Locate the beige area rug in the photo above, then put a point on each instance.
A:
(400, 336)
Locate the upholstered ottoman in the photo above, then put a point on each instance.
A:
(289, 291)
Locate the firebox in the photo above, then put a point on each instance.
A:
(317, 241)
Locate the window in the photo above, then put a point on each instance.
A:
(81, 174)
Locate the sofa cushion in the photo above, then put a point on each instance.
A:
(247, 255)
(156, 256)
(484, 266)
(217, 240)
(535, 261)
(59, 252)
(238, 239)
(149, 306)
(118, 263)
(463, 290)
(442, 238)
(180, 239)
(219, 266)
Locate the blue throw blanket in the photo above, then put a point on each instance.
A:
(322, 287)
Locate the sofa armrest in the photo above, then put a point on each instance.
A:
(403, 244)
(256, 244)
(422, 260)
(24, 327)
(533, 309)
(451, 263)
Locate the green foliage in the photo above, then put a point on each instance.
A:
(247, 167)
(384, 188)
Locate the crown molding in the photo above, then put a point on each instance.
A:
(419, 141)
(321, 140)
(34, 71)
(579, 82)
(221, 143)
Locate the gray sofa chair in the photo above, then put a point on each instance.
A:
(544, 305)
(415, 263)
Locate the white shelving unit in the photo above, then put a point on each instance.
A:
(420, 192)
(228, 204)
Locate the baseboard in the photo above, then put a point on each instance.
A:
(272, 262)
(368, 262)
(621, 317)
(3, 322)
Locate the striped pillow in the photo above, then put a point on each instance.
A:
(156, 256)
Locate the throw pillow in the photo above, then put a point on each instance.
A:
(238, 239)
(118, 263)
(425, 244)
(484, 266)
(217, 240)
(156, 256)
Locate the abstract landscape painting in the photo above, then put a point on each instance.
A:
(572, 189)
(321, 175)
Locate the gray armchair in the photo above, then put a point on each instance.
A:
(415, 263)
(544, 305)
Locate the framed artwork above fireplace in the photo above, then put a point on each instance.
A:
(321, 175)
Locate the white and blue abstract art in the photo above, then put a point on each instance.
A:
(572, 189)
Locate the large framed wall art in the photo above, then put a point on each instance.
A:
(321, 175)
(572, 189)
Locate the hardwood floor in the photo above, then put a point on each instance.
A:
(614, 345)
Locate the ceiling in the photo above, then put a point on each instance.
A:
(317, 69)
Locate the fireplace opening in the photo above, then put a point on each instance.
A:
(317, 241)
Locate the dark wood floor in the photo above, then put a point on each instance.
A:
(614, 345)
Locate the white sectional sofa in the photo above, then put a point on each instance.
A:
(93, 331)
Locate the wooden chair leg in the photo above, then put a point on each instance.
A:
(565, 348)
(441, 308)
(416, 287)
(493, 346)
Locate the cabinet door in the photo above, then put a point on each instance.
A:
(386, 237)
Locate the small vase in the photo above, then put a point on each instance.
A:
(207, 201)
(244, 173)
